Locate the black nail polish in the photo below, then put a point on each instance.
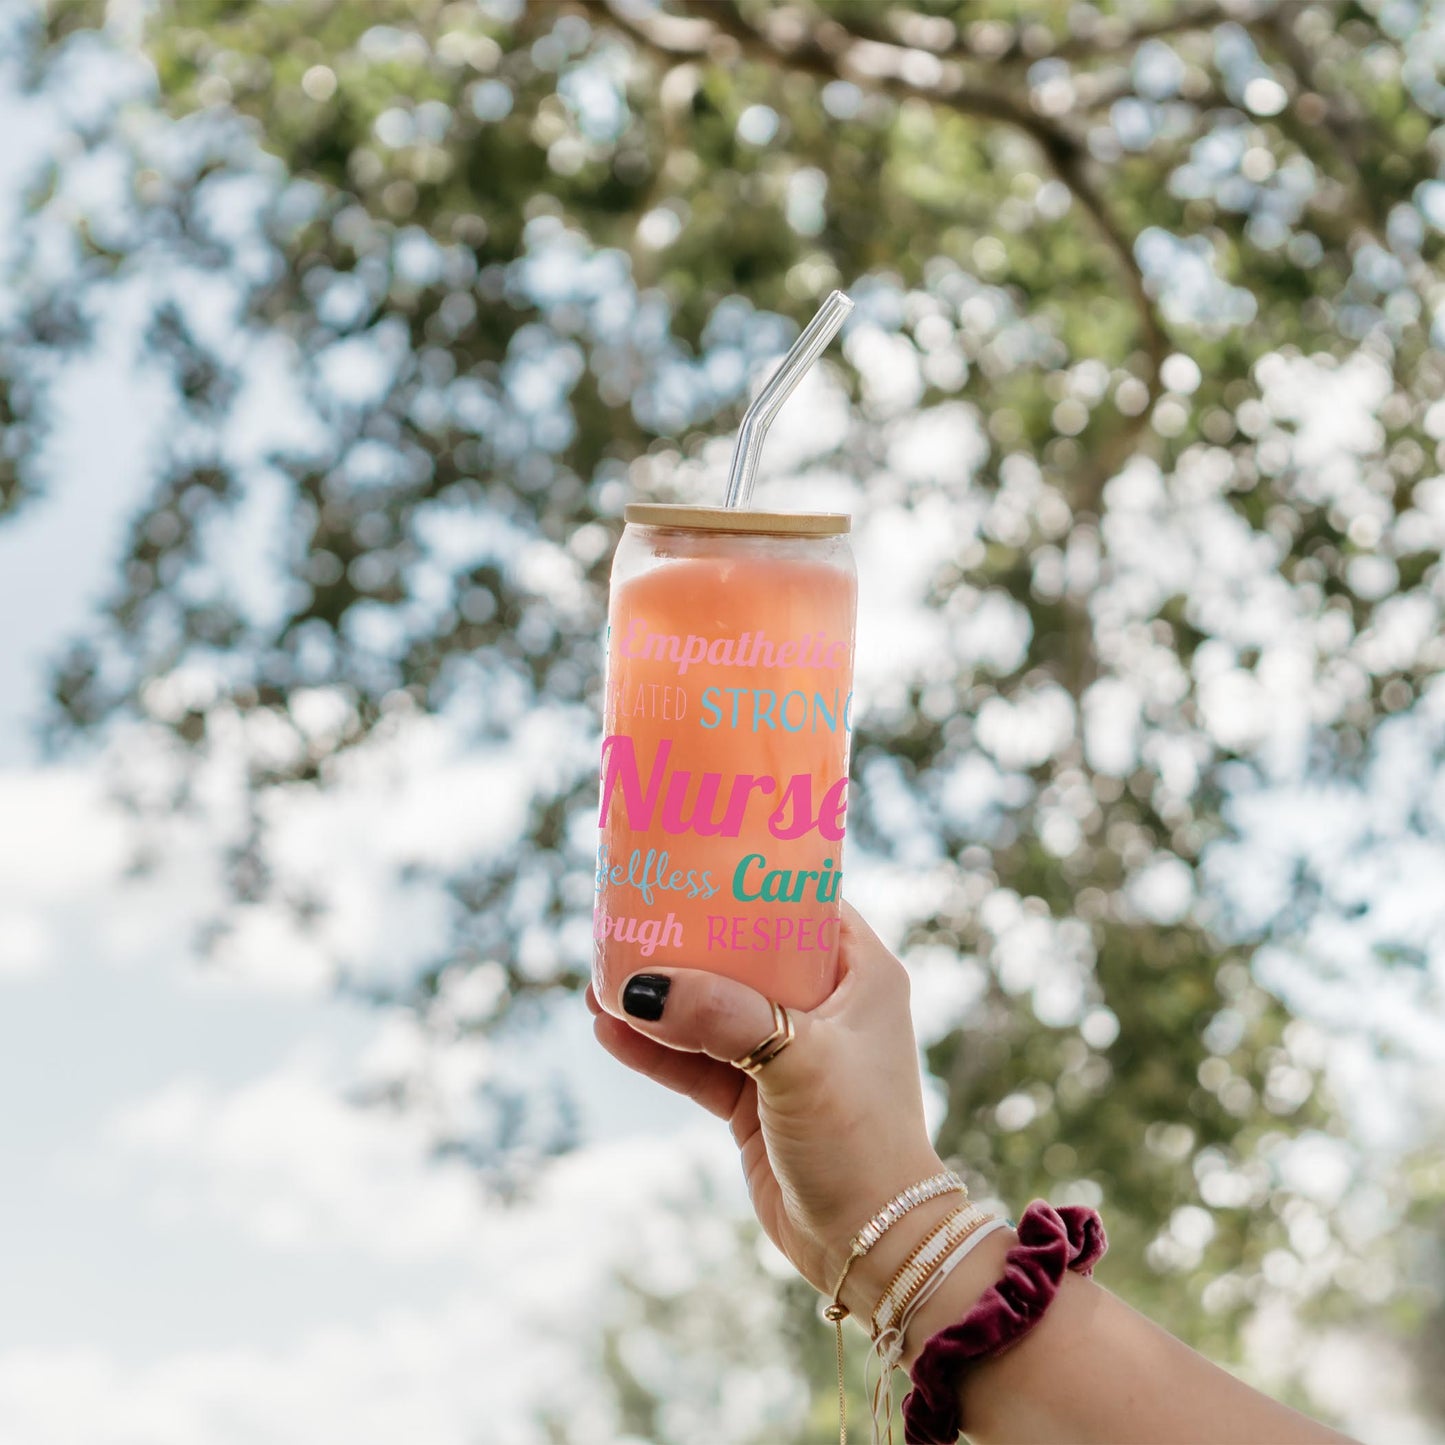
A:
(645, 995)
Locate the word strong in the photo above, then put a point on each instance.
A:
(669, 799)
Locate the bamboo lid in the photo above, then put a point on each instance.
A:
(739, 519)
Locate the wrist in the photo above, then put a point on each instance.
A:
(958, 1294)
(871, 1274)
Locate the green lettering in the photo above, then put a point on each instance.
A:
(738, 885)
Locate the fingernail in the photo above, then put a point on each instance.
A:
(645, 995)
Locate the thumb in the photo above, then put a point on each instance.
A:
(705, 1013)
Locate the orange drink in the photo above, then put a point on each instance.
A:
(724, 778)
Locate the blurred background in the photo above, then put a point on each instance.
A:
(334, 337)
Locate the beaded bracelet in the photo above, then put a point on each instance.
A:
(935, 1280)
(1050, 1241)
(917, 1267)
(946, 1182)
(932, 1259)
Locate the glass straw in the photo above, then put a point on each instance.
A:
(759, 416)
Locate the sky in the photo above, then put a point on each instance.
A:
(204, 1238)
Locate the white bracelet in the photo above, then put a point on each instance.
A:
(952, 1232)
(888, 1343)
(945, 1183)
(943, 1271)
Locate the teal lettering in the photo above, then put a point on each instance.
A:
(738, 882)
(764, 714)
(800, 883)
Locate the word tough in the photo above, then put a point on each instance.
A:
(647, 933)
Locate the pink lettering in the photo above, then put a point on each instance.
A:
(694, 651)
(799, 796)
(752, 649)
(701, 822)
(619, 764)
(668, 807)
(832, 810)
(743, 786)
(632, 638)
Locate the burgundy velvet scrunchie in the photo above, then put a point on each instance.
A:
(1050, 1241)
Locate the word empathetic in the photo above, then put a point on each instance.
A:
(793, 817)
(752, 649)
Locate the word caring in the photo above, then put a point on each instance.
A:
(663, 800)
(783, 885)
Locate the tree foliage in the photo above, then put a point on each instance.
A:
(1109, 260)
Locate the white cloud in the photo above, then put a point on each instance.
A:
(25, 944)
(455, 1376)
(59, 845)
(58, 838)
(289, 1161)
(516, 1343)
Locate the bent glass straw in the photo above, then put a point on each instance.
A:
(759, 416)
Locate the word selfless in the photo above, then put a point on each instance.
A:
(652, 873)
(663, 800)
(752, 649)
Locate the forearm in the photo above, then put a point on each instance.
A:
(1095, 1372)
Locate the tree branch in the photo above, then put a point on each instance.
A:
(1108, 38)
(1344, 128)
(676, 36)
(827, 50)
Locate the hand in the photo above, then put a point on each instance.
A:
(830, 1129)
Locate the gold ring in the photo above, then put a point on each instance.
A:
(772, 1046)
